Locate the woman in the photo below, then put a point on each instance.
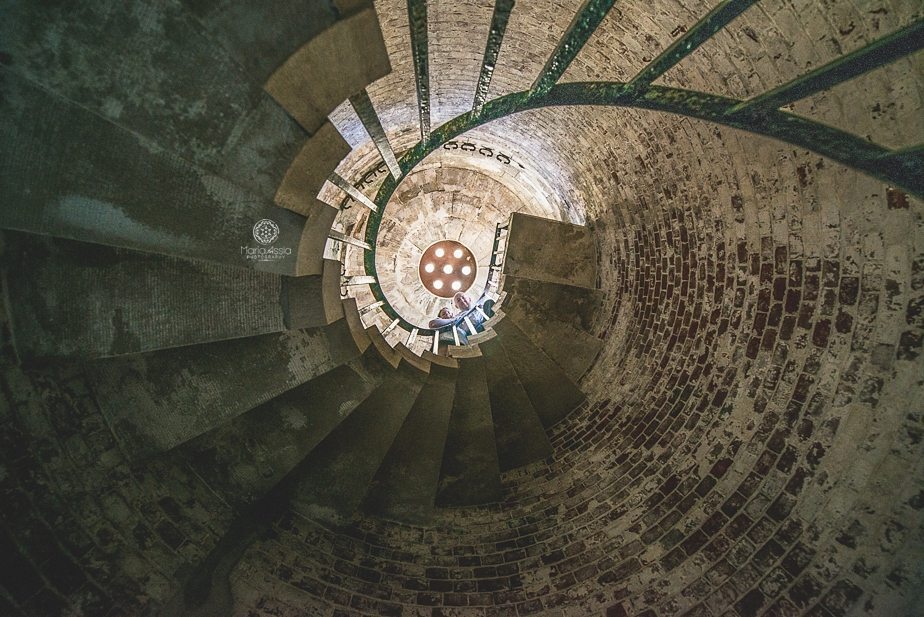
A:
(443, 318)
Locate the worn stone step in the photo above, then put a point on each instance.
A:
(338, 472)
(445, 361)
(355, 324)
(518, 431)
(207, 587)
(272, 438)
(548, 250)
(337, 63)
(318, 158)
(470, 472)
(218, 117)
(415, 360)
(575, 306)
(74, 299)
(558, 319)
(87, 179)
(236, 25)
(157, 400)
(404, 488)
(389, 353)
(550, 390)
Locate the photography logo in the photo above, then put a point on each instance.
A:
(265, 232)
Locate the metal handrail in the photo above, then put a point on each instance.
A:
(760, 115)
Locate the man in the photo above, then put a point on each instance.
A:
(461, 301)
(467, 308)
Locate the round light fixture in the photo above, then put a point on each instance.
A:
(445, 267)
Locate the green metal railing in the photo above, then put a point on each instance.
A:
(903, 168)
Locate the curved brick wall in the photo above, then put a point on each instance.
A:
(749, 437)
(752, 443)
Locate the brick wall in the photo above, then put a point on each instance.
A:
(752, 443)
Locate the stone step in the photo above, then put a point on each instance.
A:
(236, 24)
(518, 432)
(355, 324)
(404, 488)
(272, 438)
(338, 472)
(568, 304)
(318, 158)
(548, 250)
(74, 299)
(463, 351)
(557, 318)
(337, 63)
(298, 192)
(389, 353)
(195, 102)
(470, 472)
(206, 588)
(550, 390)
(418, 362)
(140, 197)
(158, 400)
(445, 361)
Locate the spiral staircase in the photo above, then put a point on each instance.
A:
(291, 384)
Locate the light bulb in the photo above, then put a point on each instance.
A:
(429, 268)
(440, 252)
(456, 285)
(466, 270)
(438, 284)
(447, 269)
(457, 253)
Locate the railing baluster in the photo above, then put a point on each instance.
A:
(370, 307)
(702, 31)
(370, 119)
(878, 53)
(436, 342)
(417, 21)
(342, 237)
(358, 280)
(455, 335)
(502, 9)
(341, 183)
(391, 327)
(585, 21)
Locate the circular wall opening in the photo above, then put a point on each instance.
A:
(446, 267)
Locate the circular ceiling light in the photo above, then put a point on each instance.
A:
(447, 266)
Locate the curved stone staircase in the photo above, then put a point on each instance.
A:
(263, 382)
(122, 271)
